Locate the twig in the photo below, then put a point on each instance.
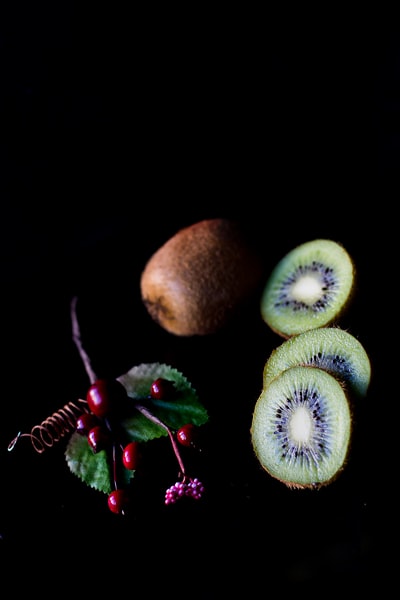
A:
(157, 421)
(76, 336)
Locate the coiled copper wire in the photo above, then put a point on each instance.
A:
(55, 427)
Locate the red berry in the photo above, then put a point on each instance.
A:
(130, 455)
(98, 438)
(85, 422)
(187, 435)
(162, 389)
(118, 501)
(105, 395)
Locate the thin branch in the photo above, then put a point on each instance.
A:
(76, 336)
(157, 421)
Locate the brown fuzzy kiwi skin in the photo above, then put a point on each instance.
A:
(197, 280)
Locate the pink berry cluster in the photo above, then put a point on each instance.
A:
(192, 488)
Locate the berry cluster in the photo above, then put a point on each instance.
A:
(107, 399)
(192, 488)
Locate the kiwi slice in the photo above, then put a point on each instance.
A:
(330, 348)
(309, 287)
(301, 427)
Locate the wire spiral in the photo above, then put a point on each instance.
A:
(55, 427)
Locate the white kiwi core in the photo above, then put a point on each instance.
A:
(307, 289)
(300, 425)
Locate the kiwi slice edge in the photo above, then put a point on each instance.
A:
(301, 428)
(330, 348)
(310, 287)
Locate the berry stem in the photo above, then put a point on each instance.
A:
(76, 336)
(157, 421)
(115, 447)
(114, 460)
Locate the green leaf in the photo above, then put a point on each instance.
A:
(184, 408)
(96, 469)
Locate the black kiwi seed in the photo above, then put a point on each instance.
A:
(301, 427)
(310, 287)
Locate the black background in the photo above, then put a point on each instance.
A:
(118, 129)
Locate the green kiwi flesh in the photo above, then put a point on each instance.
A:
(330, 348)
(308, 288)
(301, 428)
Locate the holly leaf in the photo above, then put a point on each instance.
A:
(147, 420)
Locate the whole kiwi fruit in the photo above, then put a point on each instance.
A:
(199, 278)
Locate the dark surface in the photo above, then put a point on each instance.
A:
(117, 134)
